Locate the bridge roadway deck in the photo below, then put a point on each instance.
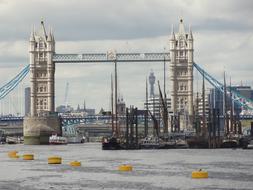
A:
(93, 118)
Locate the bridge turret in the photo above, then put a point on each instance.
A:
(50, 41)
(190, 71)
(42, 70)
(172, 68)
(190, 39)
(49, 37)
(32, 40)
(42, 122)
(172, 39)
(181, 54)
(32, 37)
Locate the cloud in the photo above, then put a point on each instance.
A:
(222, 39)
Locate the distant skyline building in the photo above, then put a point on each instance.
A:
(121, 106)
(216, 98)
(155, 105)
(27, 101)
(152, 84)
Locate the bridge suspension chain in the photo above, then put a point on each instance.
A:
(236, 96)
(8, 87)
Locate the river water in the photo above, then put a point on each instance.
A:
(152, 169)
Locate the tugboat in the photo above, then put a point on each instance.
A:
(111, 143)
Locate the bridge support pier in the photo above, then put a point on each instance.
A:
(37, 130)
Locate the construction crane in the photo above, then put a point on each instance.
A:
(66, 96)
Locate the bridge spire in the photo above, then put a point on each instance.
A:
(172, 33)
(50, 37)
(32, 37)
(190, 33)
(181, 30)
(43, 32)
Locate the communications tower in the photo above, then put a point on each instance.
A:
(152, 84)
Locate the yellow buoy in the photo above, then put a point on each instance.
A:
(125, 167)
(12, 154)
(75, 163)
(28, 157)
(54, 160)
(15, 156)
(199, 174)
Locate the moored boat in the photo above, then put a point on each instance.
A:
(229, 143)
(156, 143)
(151, 143)
(14, 140)
(250, 145)
(197, 142)
(181, 143)
(111, 143)
(57, 140)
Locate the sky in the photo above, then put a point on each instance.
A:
(222, 31)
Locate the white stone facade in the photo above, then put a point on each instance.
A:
(181, 67)
(42, 71)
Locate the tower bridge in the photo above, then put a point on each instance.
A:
(43, 120)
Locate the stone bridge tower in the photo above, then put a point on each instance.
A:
(43, 120)
(42, 47)
(181, 54)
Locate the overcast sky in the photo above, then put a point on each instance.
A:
(223, 39)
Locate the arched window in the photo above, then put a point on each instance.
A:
(41, 44)
(181, 44)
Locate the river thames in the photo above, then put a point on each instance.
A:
(152, 169)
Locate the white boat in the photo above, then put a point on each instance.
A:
(152, 142)
(14, 140)
(57, 140)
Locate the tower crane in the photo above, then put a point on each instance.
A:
(66, 96)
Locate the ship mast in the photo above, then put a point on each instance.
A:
(112, 116)
(203, 106)
(116, 98)
(226, 127)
